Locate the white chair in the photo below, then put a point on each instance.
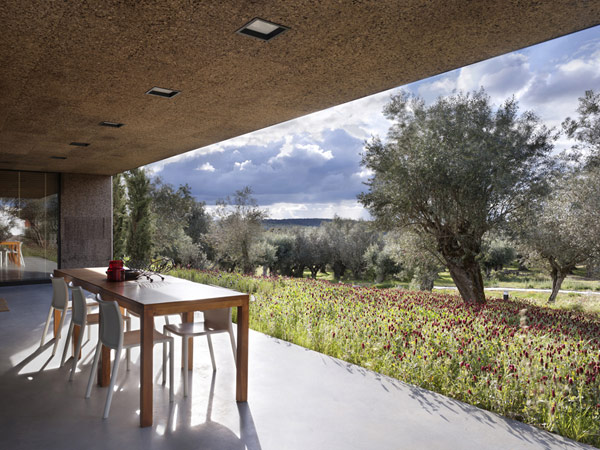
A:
(60, 302)
(81, 318)
(112, 336)
(215, 321)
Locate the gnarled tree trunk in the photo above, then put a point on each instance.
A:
(468, 280)
(558, 275)
(460, 253)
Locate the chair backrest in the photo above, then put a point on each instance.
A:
(217, 319)
(60, 293)
(79, 314)
(111, 324)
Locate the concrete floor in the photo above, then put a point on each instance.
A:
(298, 399)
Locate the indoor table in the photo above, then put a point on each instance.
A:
(161, 297)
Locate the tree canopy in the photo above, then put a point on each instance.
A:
(237, 227)
(455, 170)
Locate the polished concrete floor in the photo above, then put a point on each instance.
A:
(298, 399)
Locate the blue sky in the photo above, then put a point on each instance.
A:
(310, 166)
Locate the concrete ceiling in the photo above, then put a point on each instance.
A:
(65, 66)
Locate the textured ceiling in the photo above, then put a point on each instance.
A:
(65, 66)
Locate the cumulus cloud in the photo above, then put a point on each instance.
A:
(292, 170)
(501, 77)
(311, 152)
(242, 165)
(206, 167)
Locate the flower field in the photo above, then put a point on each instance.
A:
(534, 364)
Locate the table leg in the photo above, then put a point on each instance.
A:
(241, 379)
(147, 329)
(188, 317)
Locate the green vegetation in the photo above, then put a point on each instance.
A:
(454, 171)
(536, 364)
(50, 253)
(532, 279)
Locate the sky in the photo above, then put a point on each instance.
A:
(310, 167)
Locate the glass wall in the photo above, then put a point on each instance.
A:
(28, 225)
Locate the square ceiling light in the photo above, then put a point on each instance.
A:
(262, 29)
(162, 92)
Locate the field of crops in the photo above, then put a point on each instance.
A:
(534, 364)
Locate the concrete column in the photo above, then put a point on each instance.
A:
(85, 220)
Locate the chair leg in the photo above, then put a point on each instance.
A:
(128, 328)
(76, 354)
(88, 390)
(171, 369)
(233, 345)
(164, 364)
(46, 326)
(69, 334)
(212, 353)
(60, 326)
(111, 386)
(185, 366)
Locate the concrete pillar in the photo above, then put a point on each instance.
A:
(85, 220)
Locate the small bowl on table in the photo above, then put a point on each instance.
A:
(131, 274)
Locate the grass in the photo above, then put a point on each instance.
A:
(537, 279)
(532, 279)
(49, 253)
(518, 358)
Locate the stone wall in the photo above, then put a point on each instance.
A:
(85, 220)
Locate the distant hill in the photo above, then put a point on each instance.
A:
(281, 223)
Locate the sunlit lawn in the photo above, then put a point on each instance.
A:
(526, 361)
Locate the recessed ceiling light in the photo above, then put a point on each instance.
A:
(262, 29)
(80, 144)
(111, 124)
(162, 92)
(58, 157)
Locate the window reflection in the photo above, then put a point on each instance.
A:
(28, 225)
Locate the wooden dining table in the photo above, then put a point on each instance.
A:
(158, 297)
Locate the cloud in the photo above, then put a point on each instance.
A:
(207, 167)
(158, 166)
(292, 170)
(348, 209)
(242, 165)
(502, 77)
(309, 152)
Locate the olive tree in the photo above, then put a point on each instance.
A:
(586, 128)
(419, 259)
(175, 212)
(454, 170)
(564, 231)
(238, 226)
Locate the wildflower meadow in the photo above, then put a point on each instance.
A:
(527, 362)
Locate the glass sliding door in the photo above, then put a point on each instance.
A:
(28, 225)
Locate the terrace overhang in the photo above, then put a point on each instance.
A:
(66, 67)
